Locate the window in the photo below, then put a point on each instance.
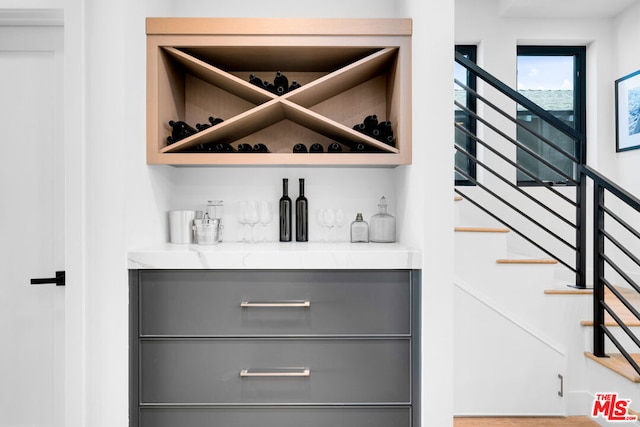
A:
(464, 118)
(552, 77)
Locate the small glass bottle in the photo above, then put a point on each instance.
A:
(383, 225)
(359, 230)
(215, 209)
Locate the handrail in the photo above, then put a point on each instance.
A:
(519, 98)
(604, 239)
(612, 187)
(515, 121)
(520, 146)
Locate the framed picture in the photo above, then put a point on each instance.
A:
(628, 112)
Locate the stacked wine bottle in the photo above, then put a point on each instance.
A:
(181, 130)
(381, 131)
(280, 84)
(335, 147)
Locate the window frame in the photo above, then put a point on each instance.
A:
(579, 93)
(471, 52)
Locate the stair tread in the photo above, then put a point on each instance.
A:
(526, 261)
(620, 309)
(568, 291)
(617, 363)
(481, 230)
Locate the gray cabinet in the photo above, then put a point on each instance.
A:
(274, 348)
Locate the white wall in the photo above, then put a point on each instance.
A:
(498, 37)
(627, 37)
(117, 202)
(126, 200)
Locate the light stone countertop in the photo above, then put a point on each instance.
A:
(277, 255)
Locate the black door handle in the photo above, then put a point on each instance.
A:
(59, 280)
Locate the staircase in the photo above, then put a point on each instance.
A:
(522, 336)
(531, 338)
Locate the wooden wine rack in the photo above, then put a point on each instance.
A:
(348, 69)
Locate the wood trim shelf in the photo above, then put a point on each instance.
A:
(348, 68)
(278, 26)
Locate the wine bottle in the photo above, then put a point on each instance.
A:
(359, 147)
(359, 127)
(281, 83)
(204, 148)
(294, 85)
(316, 148)
(180, 130)
(335, 148)
(302, 215)
(260, 148)
(370, 122)
(223, 147)
(202, 127)
(269, 86)
(255, 80)
(385, 130)
(244, 148)
(299, 148)
(390, 141)
(215, 120)
(285, 213)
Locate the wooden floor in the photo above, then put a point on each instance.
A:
(525, 422)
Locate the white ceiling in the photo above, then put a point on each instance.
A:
(564, 8)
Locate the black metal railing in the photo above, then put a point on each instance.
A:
(553, 215)
(568, 236)
(613, 236)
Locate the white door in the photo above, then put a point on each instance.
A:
(31, 226)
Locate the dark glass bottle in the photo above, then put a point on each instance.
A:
(281, 83)
(360, 147)
(385, 129)
(202, 126)
(223, 147)
(359, 127)
(215, 120)
(335, 148)
(255, 80)
(285, 213)
(244, 148)
(260, 148)
(302, 216)
(299, 148)
(370, 122)
(269, 86)
(294, 85)
(179, 131)
(316, 148)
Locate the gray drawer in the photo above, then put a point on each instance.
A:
(190, 371)
(276, 417)
(208, 303)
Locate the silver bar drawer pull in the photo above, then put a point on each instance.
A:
(275, 372)
(276, 304)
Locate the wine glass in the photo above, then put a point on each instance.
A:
(264, 212)
(321, 223)
(241, 216)
(340, 220)
(330, 220)
(252, 217)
